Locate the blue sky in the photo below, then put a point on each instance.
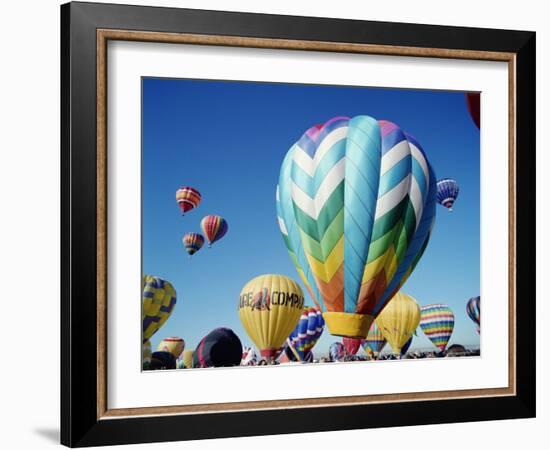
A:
(228, 139)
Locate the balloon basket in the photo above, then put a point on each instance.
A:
(348, 324)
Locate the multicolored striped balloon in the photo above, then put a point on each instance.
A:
(193, 242)
(355, 204)
(173, 344)
(375, 341)
(447, 192)
(437, 322)
(307, 332)
(250, 357)
(158, 301)
(214, 228)
(473, 309)
(187, 198)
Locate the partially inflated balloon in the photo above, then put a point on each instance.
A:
(187, 198)
(307, 331)
(269, 308)
(187, 359)
(220, 348)
(336, 351)
(473, 309)
(193, 242)
(355, 204)
(375, 341)
(158, 301)
(398, 320)
(174, 345)
(437, 323)
(249, 358)
(162, 361)
(447, 192)
(352, 345)
(214, 228)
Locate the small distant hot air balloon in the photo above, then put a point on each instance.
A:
(187, 198)
(219, 348)
(351, 345)
(375, 341)
(158, 301)
(249, 358)
(473, 102)
(437, 323)
(146, 353)
(269, 308)
(174, 345)
(473, 309)
(214, 228)
(193, 242)
(336, 351)
(307, 331)
(355, 205)
(447, 192)
(398, 320)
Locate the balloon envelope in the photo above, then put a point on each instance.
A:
(447, 192)
(437, 322)
(375, 341)
(214, 228)
(187, 359)
(406, 347)
(355, 204)
(193, 242)
(307, 332)
(220, 348)
(473, 102)
(473, 309)
(351, 345)
(398, 320)
(146, 352)
(174, 345)
(187, 198)
(337, 352)
(269, 308)
(158, 301)
(162, 361)
(249, 358)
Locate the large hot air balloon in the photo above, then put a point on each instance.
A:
(355, 204)
(473, 309)
(437, 323)
(174, 345)
(473, 102)
(219, 348)
(158, 301)
(187, 198)
(375, 341)
(398, 320)
(336, 351)
(193, 242)
(269, 308)
(351, 345)
(307, 331)
(214, 228)
(146, 353)
(447, 192)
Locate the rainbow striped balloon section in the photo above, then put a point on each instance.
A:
(307, 332)
(193, 242)
(375, 340)
(355, 203)
(437, 322)
(473, 309)
(187, 198)
(214, 228)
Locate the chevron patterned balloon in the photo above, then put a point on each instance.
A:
(437, 323)
(355, 203)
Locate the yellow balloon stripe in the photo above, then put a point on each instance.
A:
(325, 271)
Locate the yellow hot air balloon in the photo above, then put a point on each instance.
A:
(269, 308)
(398, 320)
(174, 345)
(188, 359)
(158, 301)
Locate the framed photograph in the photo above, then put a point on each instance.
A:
(277, 224)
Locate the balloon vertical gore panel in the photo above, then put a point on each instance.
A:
(292, 215)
